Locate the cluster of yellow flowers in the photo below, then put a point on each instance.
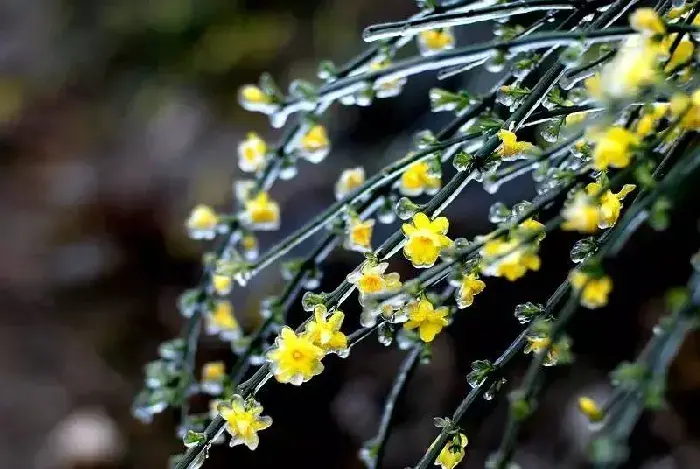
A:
(296, 358)
(594, 208)
(639, 62)
(511, 256)
(425, 239)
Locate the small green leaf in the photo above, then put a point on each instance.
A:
(193, 438)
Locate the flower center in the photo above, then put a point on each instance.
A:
(371, 283)
(297, 355)
(423, 242)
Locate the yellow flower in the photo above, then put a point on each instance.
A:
(528, 228)
(294, 359)
(418, 179)
(613, 147)
(539, 344)
(251, 153)
(510, 146)
(428, 321)
(261, 213)
(647, 21)
(222, 284)
(647, 123)
(213, 371)
(359, 235)
(222, 321)
(610, 204)
(581, 214)
(243, 420)
(252, 98)
(213, 375)
(371, 279)
(468, 288)
(314, 144)
(590, 409)
(687, 109)
(202, 222)
(249, 244)
(681, 55)
(453, 452)
(349, 180)
(383, 87)
(635, 65)
(426, 239)
(595, 289)
(325, 332)
(510, 259)
(433, 41)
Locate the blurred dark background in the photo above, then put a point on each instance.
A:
(117, 117)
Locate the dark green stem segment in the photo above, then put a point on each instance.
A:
(398, 389)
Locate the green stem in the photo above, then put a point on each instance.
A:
(398, 389)
(461, 17)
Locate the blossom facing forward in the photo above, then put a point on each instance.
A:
(252, 153)
(425, 239)
(349, 180)
(243, 420)
(359, 235)
(262, 213)
(202, 222)
(434, 41)
(419, 179)
(372, 279)
(423, 316)
(295, 359)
